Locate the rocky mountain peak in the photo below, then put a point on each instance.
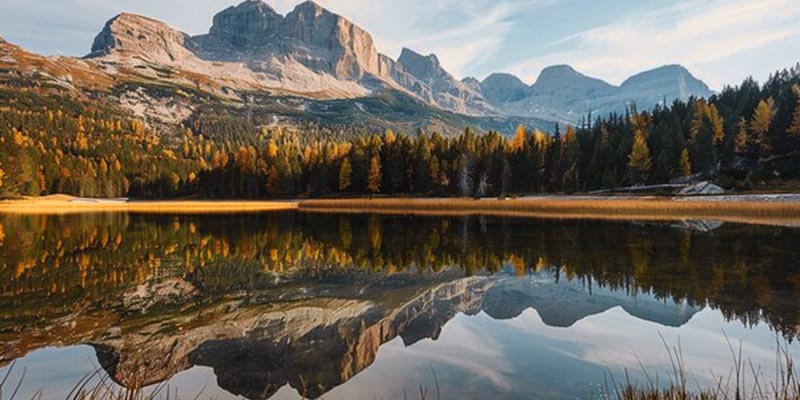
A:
(423, 67)
(472, 83)
(329, 39)
(671, 81)
(558, 73)
(441, 88)
(311, 23)
(560, 78)
(502, 87)
(250, 23)
(310, 6)
(146, 37)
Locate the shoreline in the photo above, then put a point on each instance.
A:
(61, 204)
(781, 210)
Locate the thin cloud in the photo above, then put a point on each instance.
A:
(696, 34)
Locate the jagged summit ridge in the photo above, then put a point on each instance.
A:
(419, 65)
(445, 91)
(250, 46)
(312, 51)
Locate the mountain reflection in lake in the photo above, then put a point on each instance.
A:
(353, 306)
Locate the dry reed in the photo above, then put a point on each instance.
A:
(656, 209)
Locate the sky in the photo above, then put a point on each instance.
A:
(719, 41)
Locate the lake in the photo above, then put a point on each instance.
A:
(289, 304)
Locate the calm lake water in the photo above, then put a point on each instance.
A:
(283, 305)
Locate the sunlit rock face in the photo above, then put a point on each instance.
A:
(130, 34)
(322, 41)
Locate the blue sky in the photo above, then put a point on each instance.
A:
(720, 41)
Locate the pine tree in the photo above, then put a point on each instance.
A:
(686, 164)
(519, 141)
(374, 176)
(741, 138)
(344, 175)
(639, 160)
(717, 124)
(760, 124)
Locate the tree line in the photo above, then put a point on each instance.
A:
(741, 138)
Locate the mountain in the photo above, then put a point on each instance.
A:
(670, 81)
(310, 51)
(297, 68)
(501, 88)
(249, 47)
(308, 67)
(565, 95)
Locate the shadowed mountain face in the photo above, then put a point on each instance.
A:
(270, 300)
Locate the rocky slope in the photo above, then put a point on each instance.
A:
(20, 67)
(435, 85)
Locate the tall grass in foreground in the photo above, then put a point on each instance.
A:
(595, 208)
(94, 386)
(745, 381)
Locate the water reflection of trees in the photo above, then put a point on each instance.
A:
(51, 264)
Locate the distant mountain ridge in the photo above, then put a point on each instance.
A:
(317, 55)
(565, 95)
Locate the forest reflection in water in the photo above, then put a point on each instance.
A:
(306, 300)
